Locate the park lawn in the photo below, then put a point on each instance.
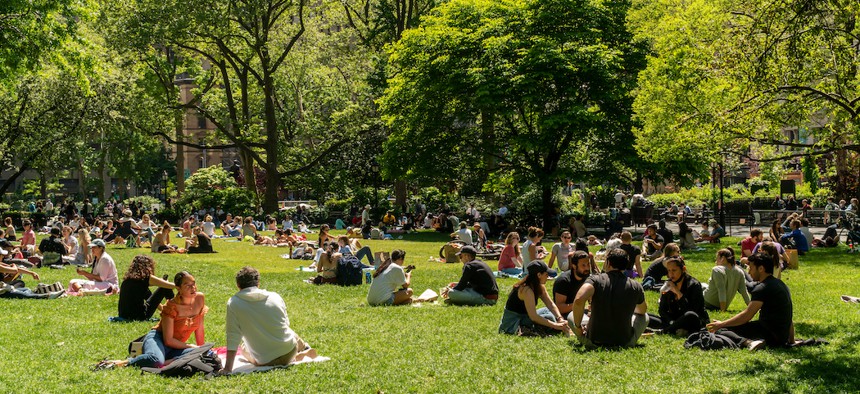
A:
(50, 346)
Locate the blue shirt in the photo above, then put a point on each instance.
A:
(798, 238)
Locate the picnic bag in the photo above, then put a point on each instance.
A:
(349, 271)
(200, 359)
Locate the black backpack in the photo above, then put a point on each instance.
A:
(349, 270)
(200, 359)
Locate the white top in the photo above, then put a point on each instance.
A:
(465, 235)
(619, 197)
(73, 242)
(145, 225)
(287, 224)
(525, 251)
(724, 284)
(383, 286)
(106, 269)
(209, 229)
(259, 318)
(561, 253)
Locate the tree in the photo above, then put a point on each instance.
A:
(535, 85)
(734, 76)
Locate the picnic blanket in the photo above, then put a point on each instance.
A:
(241, 365)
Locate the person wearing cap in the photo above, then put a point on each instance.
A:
(103, 275)
(477, 284)
(716, 233)
(465, 234)
(52, 248)
(126, 228)
(615, 300)
(390, 284)
(521, 315)
(480, 235)
(652, 243)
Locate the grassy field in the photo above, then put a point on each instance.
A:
(50, 346)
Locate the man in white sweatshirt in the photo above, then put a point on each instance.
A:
(259, 319)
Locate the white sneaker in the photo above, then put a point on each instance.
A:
(755, 345)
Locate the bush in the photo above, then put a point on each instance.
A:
(147, 201)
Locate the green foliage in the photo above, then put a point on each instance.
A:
(810, 173)
(147, 201)
(214, 187)
(206, 179)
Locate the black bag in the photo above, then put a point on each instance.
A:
(709, 341)
(200, 359)
(349, 270)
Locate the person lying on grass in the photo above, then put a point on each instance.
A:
(682, 305)
(521, 316)
(12, 286)
(477, 284)
(180, 317)
(390, 284)
(616, 301)
(727, 279)
(258, 326)
(771, 300)
(136, 301)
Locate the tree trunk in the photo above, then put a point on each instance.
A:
(273, 177)
(11, 180)
(548, 207)
(178, 124)
(639, 184)
(248, 171)
(43, 185)
(82, 180)
(400, 193)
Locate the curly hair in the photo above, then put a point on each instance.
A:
(141, 268)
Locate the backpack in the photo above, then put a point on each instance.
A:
(200, 359)
(349, 270)
(449, 252)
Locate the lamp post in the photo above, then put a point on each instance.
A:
(164, 185)
(374, 166)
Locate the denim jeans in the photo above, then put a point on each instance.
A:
(365, 251)
(155, 352)
(468, 296)
(511, 321)
(23, 293)
(513, 271)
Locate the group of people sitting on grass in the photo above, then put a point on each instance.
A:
(257, 325)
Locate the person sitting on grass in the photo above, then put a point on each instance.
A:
(465, 234)
(653, 278)
(521, 315)
(13, 287)
(652, 243)
(560, 251)
(477, 284)
(28, 238)
(180, 317)
(249, 229)
(771, 300)
(795, 238)
(682, 306)
(324, 235)
(727, 279)
(103, 276)
(10, 230)
(327, 265)
(52, 248)
(618, 307)
(749, 243)
(72, 246)
(668, 235)
(480, 235)
(567, 284)
(704, 234)
(353, 247)
(390, 284)
(136, 301)
(200, 243)
(258, 327)
(717, 232)
(686, 240)
(510, 261)
(634, 257)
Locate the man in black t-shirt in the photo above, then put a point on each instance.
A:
(52, 248)
(567, 284)
(615, 299)
(634, 266)
(477, 285)
(771, 300)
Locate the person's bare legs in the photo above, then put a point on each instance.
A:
(403, 297)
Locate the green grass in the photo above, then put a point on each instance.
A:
(49, 346)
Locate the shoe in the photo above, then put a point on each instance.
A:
(104, 364)
(755, 345)
(56, 294)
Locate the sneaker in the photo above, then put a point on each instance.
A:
(56, 294)
(755, 345)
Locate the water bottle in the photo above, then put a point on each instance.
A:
(367, 277)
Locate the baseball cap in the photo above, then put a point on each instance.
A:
(468, 249)
(97, 242)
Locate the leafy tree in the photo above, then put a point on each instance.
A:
(535, 85)
(734, 77)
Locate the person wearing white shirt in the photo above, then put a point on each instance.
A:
(503, 210)
(287, 224)
(257, 325)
